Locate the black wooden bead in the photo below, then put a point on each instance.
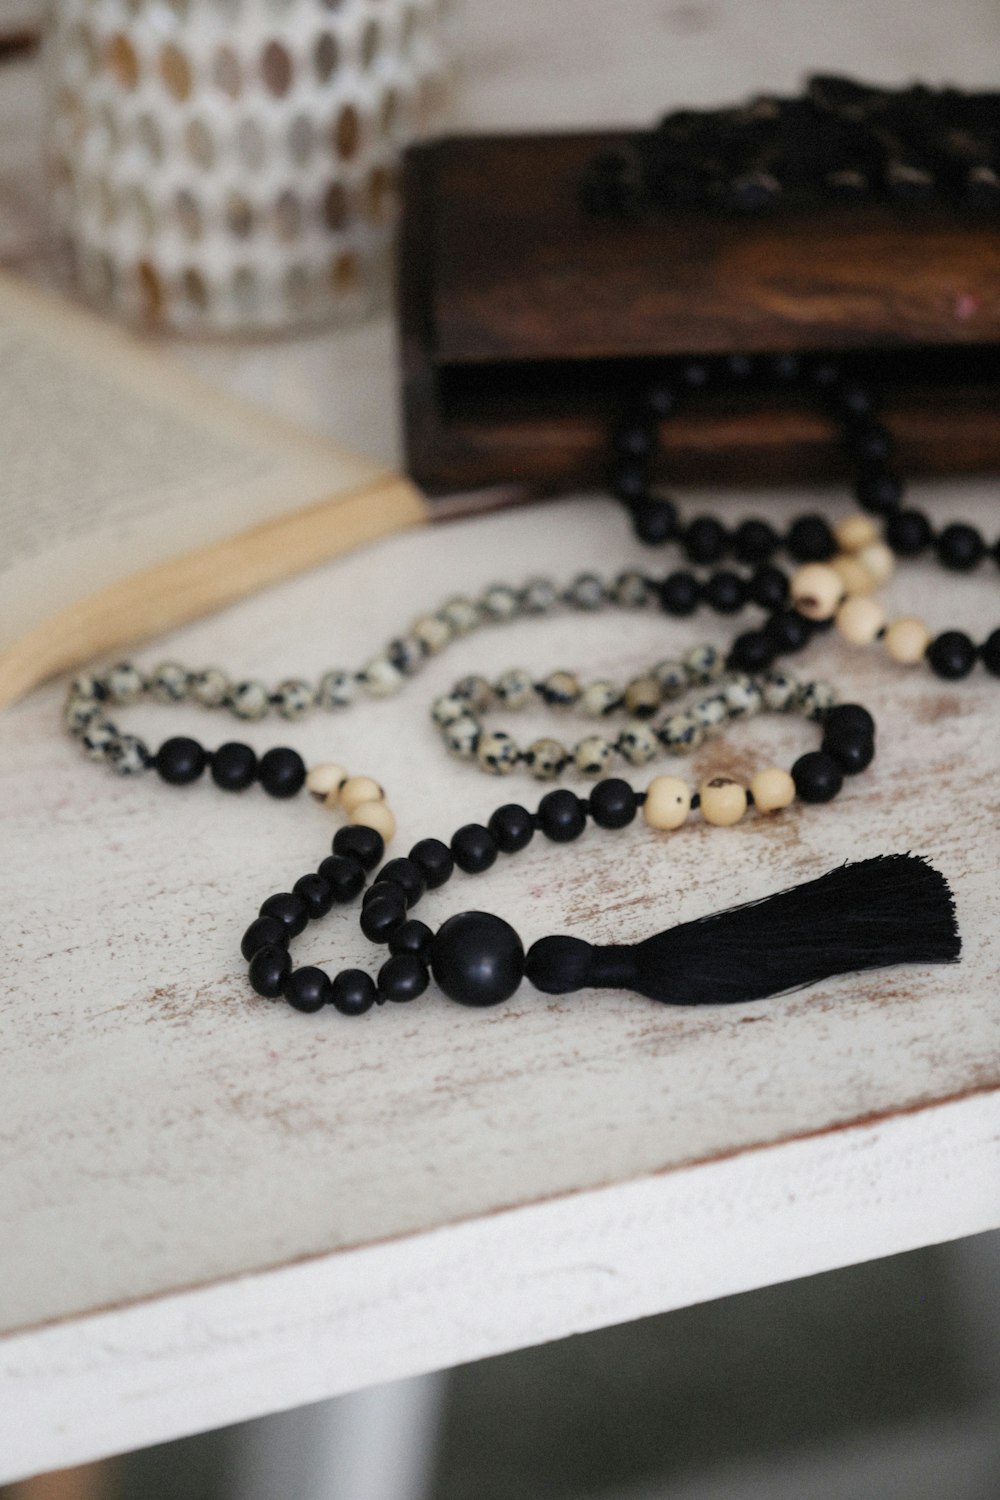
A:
(908, 533)
(308, 989)
(634, 439)
(628, 479)
(951, 655)
(960, 547)
(845, 717)
(561, 816)
(366, 845)
(855, 402)
(612, 803)
(695, 375)
(753, 651)
(180, 761)
(402, 977)
(788, 631)
(288, 908)
(381, 917)
(281, 772)
(474, 848)
(726, 592)
(989, 651)
(315, 892)
(755, 541)
(558, 965)
(477, 959)
(512, 827)
(435, 862)
(654, 521)
(352, 992)
(705, 540)
(739, 366)
(343, 875)
(234, 766)
(811, 540)
(785, 368)
(879, 492)
(853, 750)
(386, 890)
(269, 968)
(768, 587)
(263, 932)
(407, 874)
(660, 400)
(413, 937)
(870, 444)
(680, 594)
(817, 777)
(825, 375)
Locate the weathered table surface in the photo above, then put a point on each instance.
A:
(211, 1207)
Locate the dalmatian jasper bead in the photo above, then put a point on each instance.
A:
(249, 700)
(99, 740)
(681, 733)
(128, 756)
(545, 758)
(497, 753)
(336, 689)
(672, 678)
(461, 736)
(124, 683)
(539, 596)
(643, 696)
(592, 755)
(380, 678)
(169, 682)
(475, 692)
(815, 698)
(638, 743)
(779, 690)
(500, 602)
(742, 696)
(210, 687)
(711, 712)
(407, 654)
(703, 664)
(599, 699)
(433, 631)
(294, 698)
(79, 713)
(560, 690)
(630, 590)
(586, 592)
(447, 709)
(87, 686)
(462, 615)
(515, 689)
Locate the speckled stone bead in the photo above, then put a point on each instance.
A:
(447, 709)
(497, 753)
(722, 801)
(79, 712)
(125, 683)
(380, 678)
(475, 692)
(631, 591)
(592, 755)
(743, 696)
(704, 663)
(668, 802)
(772, 789)
(461, 737)
(642, 697)
(433, 631)
(86, 685)
(539, 596)
(638, 743)
(514, 688)
(672, 677)
(586, 591)
(294, 698)
(462, 615)
(210, 687)
(711, 712)
(680, 734)
(337, 689)
(560, 690)
(545, 758)
(407, 654)
(249, 700)
(780, 691)
(598, 699)
(128, 756)
(500, 602)
(98, 740)
(815, 698)
(169, 682)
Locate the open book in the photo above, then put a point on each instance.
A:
(133, 499)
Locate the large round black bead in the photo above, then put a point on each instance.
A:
(234, 766)
(951, 655)
(755, 541)
(680, 594)
(960, 547)
(477, 959)
(811, 540)
(725, 592)
(612, 803)
(753, 651)
(768, 587)
(817, 777)
(705, 540)
(180, 760)
(561, 816)
(908, 533)
(281, 772)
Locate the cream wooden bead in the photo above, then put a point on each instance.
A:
(375, 815)
(324, 782)
(854, 576)
(668, 802)
(855, 532)
(722, 801)
(358, 789)
(816, 591)
(906, 640)
(859, 620)
(772, 790)
(879, 561)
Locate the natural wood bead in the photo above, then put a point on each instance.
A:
(668, 802)
(855, 532)
(357, 789)
(772, 789)
(324, 782)
(816, 591)
(375, 814)
(854, 576)
(722, 801)
(906, 640)
(879, 560)
(860, 620)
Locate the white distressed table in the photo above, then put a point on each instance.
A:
(211, 1207)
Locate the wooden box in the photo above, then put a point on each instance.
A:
(525, 318)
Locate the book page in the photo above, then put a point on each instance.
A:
(114, 460)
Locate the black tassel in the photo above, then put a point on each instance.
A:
(895, 909)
